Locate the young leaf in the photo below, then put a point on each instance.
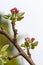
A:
(27, 44)
(19, 18)
(6, 16)
(4, 48)
(33, 45)
(12, 18)
(22, 45)
(20, 14)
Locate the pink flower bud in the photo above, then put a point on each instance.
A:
(27, 39)
(32, 39)
(14, 10)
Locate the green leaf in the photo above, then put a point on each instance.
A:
(4, 60)
(4, 48)
(27, 44)
(20, 14)
(19, 18)
(34, 44)
(22, 45)
(13, 18)
(6, 16)
(32, 47)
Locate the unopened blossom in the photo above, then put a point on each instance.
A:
(27, 39)
(32, 39)
(14, 10)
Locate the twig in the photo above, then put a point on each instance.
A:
(17, 46)
(14, 30)
(11, 57)
(28, 52)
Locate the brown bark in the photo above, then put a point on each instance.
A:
(17, 46)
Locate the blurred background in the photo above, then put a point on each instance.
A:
(31, 26)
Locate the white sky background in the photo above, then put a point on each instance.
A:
(32, 24)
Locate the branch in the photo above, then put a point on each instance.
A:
(17, 46)
(11, 57)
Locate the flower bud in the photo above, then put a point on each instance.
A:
(32, 39)
(14, 10)
(27, 39)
